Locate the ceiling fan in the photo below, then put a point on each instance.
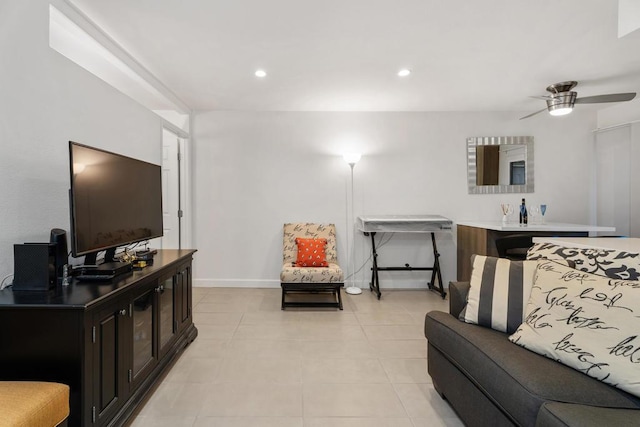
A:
(562, 99)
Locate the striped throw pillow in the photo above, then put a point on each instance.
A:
(500, 289)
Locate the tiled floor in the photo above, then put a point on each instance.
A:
(255, 365)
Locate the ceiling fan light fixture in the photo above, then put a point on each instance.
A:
(560, 111)
(562, 99)
(561, 104)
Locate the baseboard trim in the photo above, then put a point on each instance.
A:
(235, 283)
(271, 284)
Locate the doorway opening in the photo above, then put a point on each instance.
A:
(173, 147)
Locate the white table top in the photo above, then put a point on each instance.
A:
(627, 244)
(547, 226)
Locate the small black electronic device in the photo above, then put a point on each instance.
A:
(113, 269)
(34, 267)
(146, 255)
(59, 238)
(146, 252)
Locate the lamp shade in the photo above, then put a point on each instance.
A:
(352, 158)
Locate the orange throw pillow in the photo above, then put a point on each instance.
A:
(311, 253)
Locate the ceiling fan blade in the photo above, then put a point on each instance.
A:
(612, 97)
(533, 114)
(543, 97)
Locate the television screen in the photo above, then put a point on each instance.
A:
(115, 200)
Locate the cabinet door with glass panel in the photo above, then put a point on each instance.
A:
(183, 296)
(167, 305)
(143, 308)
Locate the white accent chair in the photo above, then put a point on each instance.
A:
(316, 280)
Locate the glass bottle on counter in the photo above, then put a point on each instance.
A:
(523, 213)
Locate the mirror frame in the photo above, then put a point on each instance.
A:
(474, 142)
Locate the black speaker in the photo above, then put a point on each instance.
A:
(34, 267)
(59, 238)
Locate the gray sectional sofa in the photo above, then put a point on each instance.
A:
(490, 381)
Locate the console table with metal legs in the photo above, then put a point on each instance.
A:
(370, 225)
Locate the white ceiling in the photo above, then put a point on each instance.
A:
(343, 55)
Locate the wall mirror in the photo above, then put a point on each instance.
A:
(500, 164)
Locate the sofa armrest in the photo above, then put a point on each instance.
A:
(556, 414)
(458, 292)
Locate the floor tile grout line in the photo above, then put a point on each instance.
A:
(404, 406)
(378, 352)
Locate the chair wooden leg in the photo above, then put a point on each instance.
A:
(282, 304)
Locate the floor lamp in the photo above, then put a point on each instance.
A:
(352, 159)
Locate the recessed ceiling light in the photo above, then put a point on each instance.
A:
(261, 73)
(404, 72)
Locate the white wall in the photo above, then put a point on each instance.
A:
(46, 101)
(613, 172)
(255, 171)
(617, 182)
(634, 182)
(626, 115)
(617, 114)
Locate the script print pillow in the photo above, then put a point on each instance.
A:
(604, 262)
(588, 322)
(499, 290)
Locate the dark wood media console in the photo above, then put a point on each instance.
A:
(109, 341)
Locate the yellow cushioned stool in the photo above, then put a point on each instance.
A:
(33, 404)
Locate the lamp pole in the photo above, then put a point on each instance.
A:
(352, 159)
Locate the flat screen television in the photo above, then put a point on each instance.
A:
(115, 201)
